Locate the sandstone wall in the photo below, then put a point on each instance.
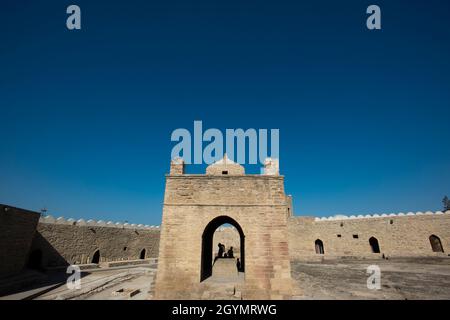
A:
(17, 228)
(397, 235)
(257, 203)
(64, 242)
(224, 190)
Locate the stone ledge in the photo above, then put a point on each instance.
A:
(222, 205)
(210, 176)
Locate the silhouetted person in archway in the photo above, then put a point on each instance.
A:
(221, 250)
(230, 253)
(238, 265)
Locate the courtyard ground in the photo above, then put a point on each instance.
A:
(117, 283)
(406, 278)
(401, 278)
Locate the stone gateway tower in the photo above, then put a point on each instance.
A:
(195, 205)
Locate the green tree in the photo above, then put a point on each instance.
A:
(446, 203)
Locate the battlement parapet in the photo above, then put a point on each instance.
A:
(100, 223)
(383, 215)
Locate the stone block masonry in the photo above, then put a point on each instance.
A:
(62, 242)
(196, 205)
(17, 228)
(396, 235)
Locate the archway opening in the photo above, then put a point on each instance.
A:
(319, 246)
(229, 236)
(96, 257)
(35, 260)
(142, 255)
(374, 245)
(436, 244)
(209, 258)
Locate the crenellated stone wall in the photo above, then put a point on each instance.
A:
(398, 235)
(62, 242)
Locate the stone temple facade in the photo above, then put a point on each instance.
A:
(266, 234)
(255, 205)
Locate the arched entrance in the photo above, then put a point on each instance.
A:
(436, 244)
(374, 245)
(319, 246)
(96, 257)
(142, 255)
(207, 245)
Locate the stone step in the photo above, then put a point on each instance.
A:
(225, 267)
(221, 293)
(222, 286)
(96, 285)
(58, 269)
(111, 264)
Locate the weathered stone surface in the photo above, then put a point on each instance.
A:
(400, 279)
(225, 167)
(257, 203)
(225, 267)
(397, 235)
(17, 228)
(63, 244)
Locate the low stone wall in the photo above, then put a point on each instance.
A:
(127, 263)
(63, 242)
(398, 235)
(17, 228)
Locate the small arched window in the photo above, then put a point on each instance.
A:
(374, 245)
(436, 244)
(96, 257)
(142, 255)
(319, 246)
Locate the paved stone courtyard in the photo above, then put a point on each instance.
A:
(347, 279)
(407, 278)
(117, 283)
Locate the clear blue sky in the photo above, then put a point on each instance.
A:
(86, 116)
